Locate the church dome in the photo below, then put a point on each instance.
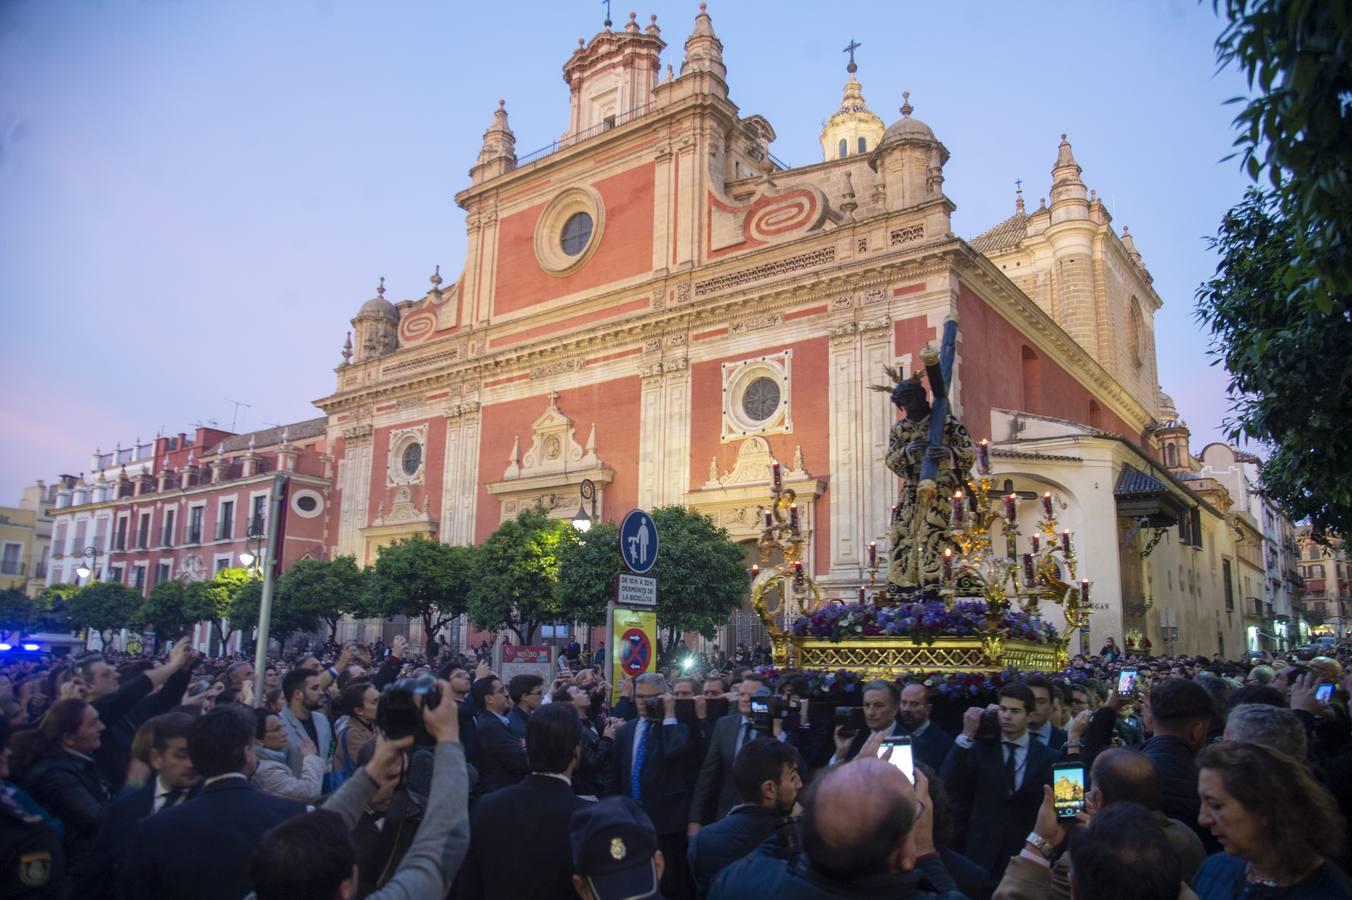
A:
(378, 307)
(907, 127)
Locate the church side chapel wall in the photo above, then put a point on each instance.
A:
(614, 407)
(992, 360)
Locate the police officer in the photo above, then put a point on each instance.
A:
(32, 866)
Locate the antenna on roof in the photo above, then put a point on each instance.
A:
(235, 418)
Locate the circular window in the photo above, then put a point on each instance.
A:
(760, 401)
(577, 231)
(307, 504)
(569, 230)
(412, 458)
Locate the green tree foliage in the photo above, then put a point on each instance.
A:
(21, 614)
(286, 617)
(322, 589)
(1278, 308)
(423, 579)
(54, 604)
(701, 576)
(103, 606)
(212, 601)
(515, 578)
(165, 608)
(587, 569)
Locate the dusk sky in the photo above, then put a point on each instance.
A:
(196, 196)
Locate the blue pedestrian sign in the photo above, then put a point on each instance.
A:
(638, 542)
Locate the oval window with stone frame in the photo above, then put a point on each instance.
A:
(577, 231)
(412, 459)
(761, 399)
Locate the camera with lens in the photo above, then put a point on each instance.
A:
(398, 715)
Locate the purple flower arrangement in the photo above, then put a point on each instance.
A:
(923, 622)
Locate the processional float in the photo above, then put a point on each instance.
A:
(962, 589)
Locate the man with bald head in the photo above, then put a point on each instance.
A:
(867, 832)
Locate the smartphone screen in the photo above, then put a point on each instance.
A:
(1324, 693)
(1068, 788)
(1126, 682)
(902, 757)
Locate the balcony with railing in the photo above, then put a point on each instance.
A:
(608, 124)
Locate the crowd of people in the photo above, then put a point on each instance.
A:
(372, 772)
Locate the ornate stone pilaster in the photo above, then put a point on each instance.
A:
(664, 433)
(460, 482)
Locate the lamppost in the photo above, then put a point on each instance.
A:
(586, 492)
(255, 540)
(91, 553)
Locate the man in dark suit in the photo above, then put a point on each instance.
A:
(501, 755)
(715, 789)
(929, 743)
(204, 848)
(882, 703)
(1040, 725)
(530, 818)
(646, 765)
(767, 781)
(526, 693)
(999, 781)
(173, 781)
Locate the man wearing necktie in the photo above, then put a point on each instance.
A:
(173, 780)
(647, 766)
(999, 779)
(715, 792)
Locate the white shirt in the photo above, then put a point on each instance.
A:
(215, 778)
(161, 795)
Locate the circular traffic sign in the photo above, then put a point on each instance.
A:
(638, 542)
(635, 651)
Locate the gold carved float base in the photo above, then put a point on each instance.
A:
(892, 657)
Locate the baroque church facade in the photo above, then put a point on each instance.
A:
(657, 305)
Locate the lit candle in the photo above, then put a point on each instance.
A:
(894, 514)
(861, 593)
(948, 563)
(775, 473)
(1028, 568)
(798, 570)
(1084, 593)
(755, 572)
(872, 554)
(769, 519)
(1065, 542)
(1012, 508)
(958, 509)
(1047, 504)
(793, 516)
(983, 457)
(1037, 543)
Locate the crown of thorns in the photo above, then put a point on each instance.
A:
(895, 375)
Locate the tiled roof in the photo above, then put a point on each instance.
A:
(1003, 236)
(1135, 483)
(296, 431)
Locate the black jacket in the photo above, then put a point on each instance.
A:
(665, 796)
(721, 844)
(998, 822)
(32, 863)
(762, 876)
(97, 877)
(501, 755)
(519, 843)
(70, 788)
(114, 753)
(204, 848)
(715, 793)
(517, 721)
(1176, 766)
(590, 775)
(932, 746)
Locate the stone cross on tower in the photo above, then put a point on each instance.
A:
(850, 48)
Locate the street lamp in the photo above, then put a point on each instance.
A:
(586, 491)
(91, 553)
(254, 551)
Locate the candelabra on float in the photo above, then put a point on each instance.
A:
(780, 583)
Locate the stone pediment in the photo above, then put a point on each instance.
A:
(554, 449)
(753, 466)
